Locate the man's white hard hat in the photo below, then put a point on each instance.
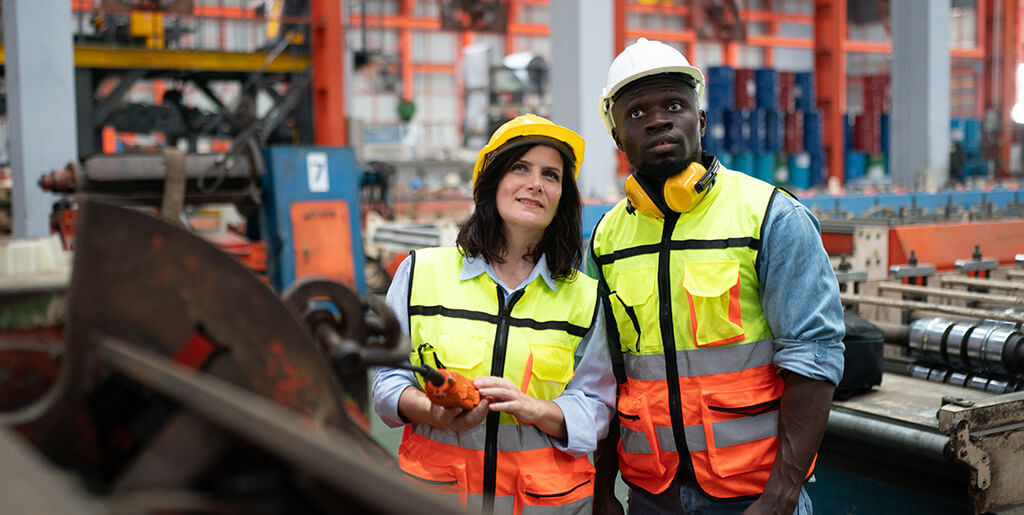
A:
(643, 59)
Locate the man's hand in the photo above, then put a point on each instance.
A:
(803, 416)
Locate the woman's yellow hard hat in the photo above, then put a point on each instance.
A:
(531, 129)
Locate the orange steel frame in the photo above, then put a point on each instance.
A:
(830, 46)
(830, 78)
(327, 47)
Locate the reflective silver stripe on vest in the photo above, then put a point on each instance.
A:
(701, 362)
(511, 437)
(503, 504)
(580, 507)
(746, 429)
(727, 433)
(634, 442)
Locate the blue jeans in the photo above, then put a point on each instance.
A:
(691, 501)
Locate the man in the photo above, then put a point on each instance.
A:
(727, 311)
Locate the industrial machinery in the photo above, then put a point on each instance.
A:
(944, 431)
(184, 383)
(302, 203)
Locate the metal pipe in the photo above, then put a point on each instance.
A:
(955, 294)
(887, 434)
(1015, 274)
(982, 283)
(912, 304)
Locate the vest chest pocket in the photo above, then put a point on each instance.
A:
(462, 352)
(713, 294)
(549, 370)
(632, 305)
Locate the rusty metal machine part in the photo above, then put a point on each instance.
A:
(139, 178)
(353, 333)
(175, 354)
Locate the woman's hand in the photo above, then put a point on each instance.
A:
(456, 418)
(417, 407)
(504, 396)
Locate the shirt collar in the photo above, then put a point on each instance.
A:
(473, 266)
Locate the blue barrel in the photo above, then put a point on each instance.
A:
(773, 124)
(956, 130)
(721, 85)
(743, 163)
(800, 170)
(972, 136)
(764, 167)
(847, 133)
(818, 169)
(757, 131)
(714, 132)
(856, 164)
(767, 93)
(737, 131)
(814, 131)
(804, 91)
(885, 133)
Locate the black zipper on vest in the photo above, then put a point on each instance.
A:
(493, 418)
(668, 341)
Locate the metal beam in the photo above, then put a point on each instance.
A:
(582, 49)
(108, 104)
(920, 94)
(330, 125)
(41, 105)
(186, 60)
(830, 78)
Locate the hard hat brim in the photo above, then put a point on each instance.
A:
(559, 134)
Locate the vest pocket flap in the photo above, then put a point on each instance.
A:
(636, 286)
(461, 351)
(552, 362)
(557, 486)
(710, 278)
(740, 427)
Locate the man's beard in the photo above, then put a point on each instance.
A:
(662, 169)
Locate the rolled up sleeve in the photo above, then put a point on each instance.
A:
(589, 398)
(800, 294)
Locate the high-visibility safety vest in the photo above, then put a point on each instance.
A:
(696, 348)
(529, 338)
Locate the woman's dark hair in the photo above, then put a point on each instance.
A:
(481, 235)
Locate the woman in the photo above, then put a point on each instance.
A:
(507, 309)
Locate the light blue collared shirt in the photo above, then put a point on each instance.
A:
(588, 401)
(799, 293)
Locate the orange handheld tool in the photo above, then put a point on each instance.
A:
(448, 388)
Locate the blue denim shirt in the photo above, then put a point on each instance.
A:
(588, 401)
(799, 293)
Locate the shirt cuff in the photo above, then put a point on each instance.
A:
(821, 360)
(388, 385)
(580, 425)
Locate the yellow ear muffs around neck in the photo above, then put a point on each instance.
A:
(640, 199)
(684, 190)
